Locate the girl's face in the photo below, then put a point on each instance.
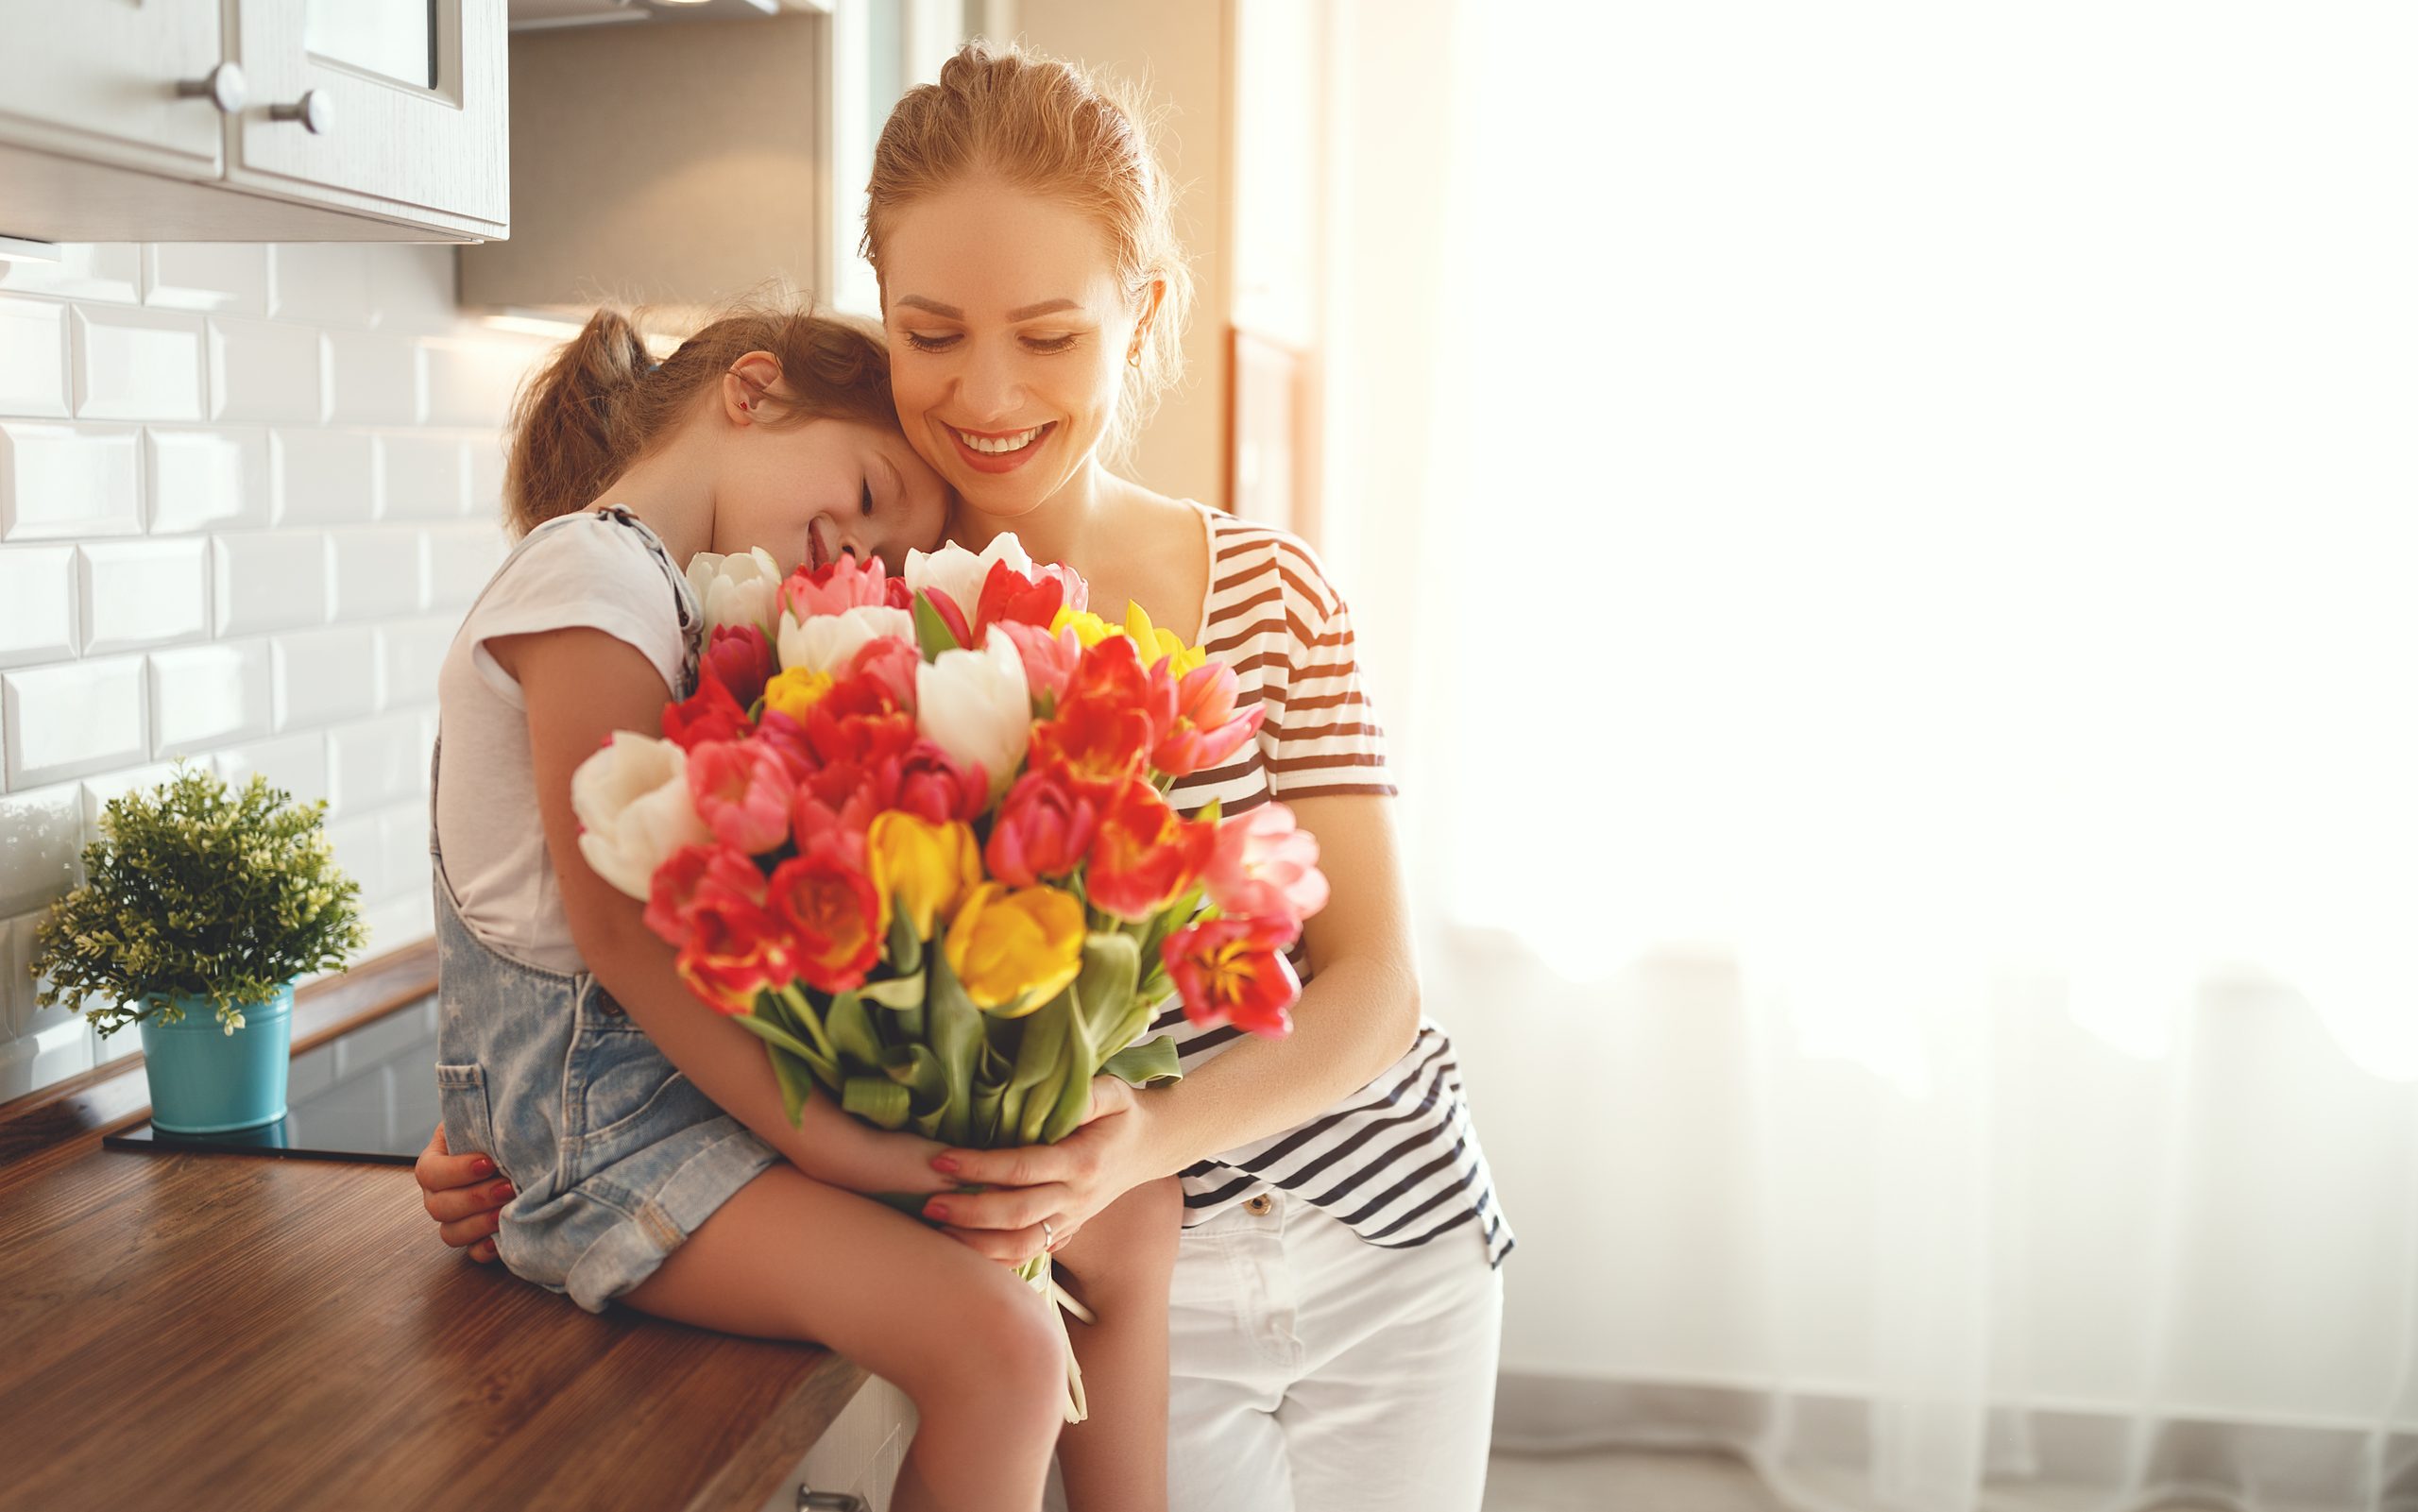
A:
(1008, 338)
(807, 493)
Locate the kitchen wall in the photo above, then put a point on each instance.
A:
(246, 494)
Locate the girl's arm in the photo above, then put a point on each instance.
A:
(579, 686)
(1357, 1016)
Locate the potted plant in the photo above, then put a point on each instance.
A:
(200, 908)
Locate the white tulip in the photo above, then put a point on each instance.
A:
(632, 799)
(741, 589)
(960, 573)
(824, 642)
(977, 706)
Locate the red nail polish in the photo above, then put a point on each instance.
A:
(501, 1192)
(937, 1212)
(482, 1166)
(945, 1165)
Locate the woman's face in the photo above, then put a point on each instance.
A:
(807, 493)
(1008, 337)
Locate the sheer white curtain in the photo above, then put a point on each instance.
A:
(1927, 882)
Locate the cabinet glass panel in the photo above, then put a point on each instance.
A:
(393, 38)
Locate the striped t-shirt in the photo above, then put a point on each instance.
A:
(1398, 1161)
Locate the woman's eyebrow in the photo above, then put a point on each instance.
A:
(1047, 307)
(946, 312)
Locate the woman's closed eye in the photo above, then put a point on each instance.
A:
(933, 341)
(865, 496)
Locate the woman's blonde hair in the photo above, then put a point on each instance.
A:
(603, 401)
(1024, 119)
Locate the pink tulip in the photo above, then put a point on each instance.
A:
(742, 791)
(835, 587)
(1043, 831)
(1265, 865)
(1048, 660)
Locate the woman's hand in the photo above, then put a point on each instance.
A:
(1066, 1183)
(463, 1195)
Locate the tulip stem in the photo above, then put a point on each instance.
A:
(809, 1020)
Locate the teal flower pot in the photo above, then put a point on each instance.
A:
(205, 1081)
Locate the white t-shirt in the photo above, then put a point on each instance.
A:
(595, 569)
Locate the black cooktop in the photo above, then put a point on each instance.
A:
(366, 1095)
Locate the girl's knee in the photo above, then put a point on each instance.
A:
(1006, 1334)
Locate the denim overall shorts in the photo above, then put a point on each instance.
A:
(616, 1157)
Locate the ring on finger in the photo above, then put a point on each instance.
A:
(1049, 1237)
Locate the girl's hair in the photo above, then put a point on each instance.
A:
(603, 402)
(1018, 117)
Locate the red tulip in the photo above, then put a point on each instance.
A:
(1233, 970)
(1143, 854)
(741, 659)
(733, 947)
(711, 713)
(1009, 597)
(826, 897)
(1043, 831)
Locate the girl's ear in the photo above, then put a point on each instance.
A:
(747, 385)
(1147, 299)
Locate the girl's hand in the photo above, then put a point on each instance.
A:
(463, 1195)
(1067, 1183)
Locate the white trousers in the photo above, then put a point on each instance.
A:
(1317, 1372)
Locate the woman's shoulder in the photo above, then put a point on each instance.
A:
(1260, 559)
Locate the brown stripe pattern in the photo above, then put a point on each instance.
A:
(1398, 1161)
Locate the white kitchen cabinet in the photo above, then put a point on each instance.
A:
(253, 120)
(857, 1457)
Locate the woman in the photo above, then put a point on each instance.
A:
(1337, 1308)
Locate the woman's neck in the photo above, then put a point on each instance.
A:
(674, 493)
(1056, 530)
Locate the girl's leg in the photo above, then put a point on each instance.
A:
(1119, 1265)
(788, 1258)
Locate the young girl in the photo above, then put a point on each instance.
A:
(686, 1193)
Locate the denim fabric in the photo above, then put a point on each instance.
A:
(615, 1156)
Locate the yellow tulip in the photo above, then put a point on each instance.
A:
(921, 868)
(1089, 628)
(796, 690)
(1156, 644)
(1007, 947)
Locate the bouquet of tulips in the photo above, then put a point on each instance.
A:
(912, 832)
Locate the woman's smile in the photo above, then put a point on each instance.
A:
(998, 450)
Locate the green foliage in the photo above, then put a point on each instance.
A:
(197, 890)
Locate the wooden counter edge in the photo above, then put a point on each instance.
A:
(65, 1122)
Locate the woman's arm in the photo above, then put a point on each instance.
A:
(579, 686)
(1357, 1016)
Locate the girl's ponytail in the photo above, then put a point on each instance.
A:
(566, 446)
(601, 402)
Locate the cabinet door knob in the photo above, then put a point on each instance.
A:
(222, 86)
(314, 110)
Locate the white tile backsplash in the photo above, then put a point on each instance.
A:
(33, 357)
(259, 370)
(324, 283)
(373, 572)
(373, 378)
(245, 494)
(103, 271)
(272, 580)
(205, 696)
(67, 482)
(137, 365)
(78, 717)
(324, 477)
(42, 832)
(215, 278)
(206, 480)
(144, 593)
(422, 475)
(37, 603)
(325, 675)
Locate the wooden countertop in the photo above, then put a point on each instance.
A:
(211, 1330)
